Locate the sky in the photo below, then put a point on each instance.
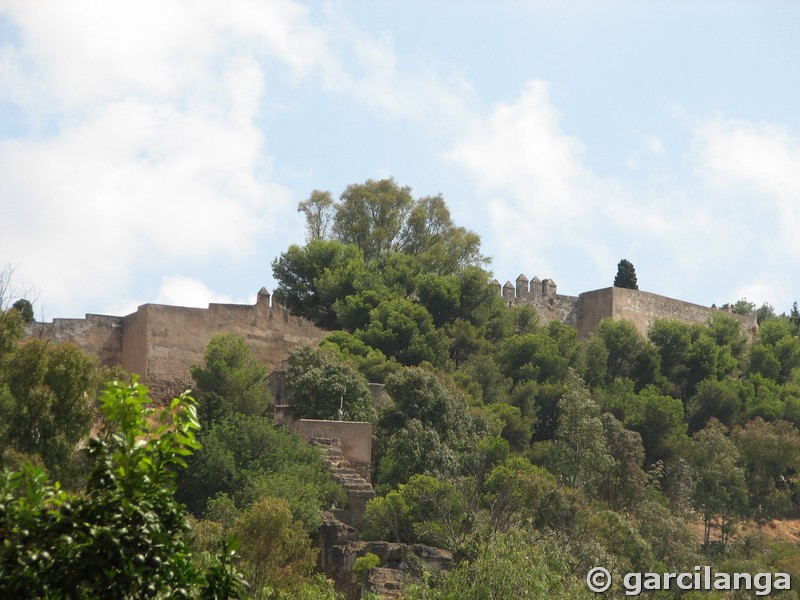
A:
(156, 151)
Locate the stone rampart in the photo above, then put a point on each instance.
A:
(100, 335)
(543, 294)
(585, 312)
(160, 342)
(642, 308)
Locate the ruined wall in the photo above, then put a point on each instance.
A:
(585, 312)
(543, 294)
(355, 437)
(161, 342)
(100, 335)
(642, 308)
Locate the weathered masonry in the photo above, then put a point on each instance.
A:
(160, 342)
(584, 312)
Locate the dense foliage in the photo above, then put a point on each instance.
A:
(124, 536)
(500, 428)
(626, 275)
(530, 454)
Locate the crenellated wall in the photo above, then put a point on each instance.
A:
(160, 342)
(585, 312)
(543, 294)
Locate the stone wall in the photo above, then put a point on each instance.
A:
(642, 308)
(100, 335)
(585, 312)
(160, 342)
(543, 294)
(355, 437)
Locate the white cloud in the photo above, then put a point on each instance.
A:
(177, 290)
(690, 233)
(539, 192)
(148, 148)
(757, 168)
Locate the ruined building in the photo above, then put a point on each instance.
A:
(161, 342)
(584, 312)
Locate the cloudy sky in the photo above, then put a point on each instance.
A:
(155, 151)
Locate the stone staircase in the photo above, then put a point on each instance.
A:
(359, 490)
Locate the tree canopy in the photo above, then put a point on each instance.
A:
(626, 275)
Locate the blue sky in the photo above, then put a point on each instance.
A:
(157, 151)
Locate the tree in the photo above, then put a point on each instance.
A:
(770, 455)
(743, 307)
(25, 308)
(794, 315)
(276, 552)
(581, 451)
(247, 457)
(371, 215)
(720, 483)
(46, 394)
(424, 510)
(623, 483)
(626, 275)
(318, 209)
(319, 383)
(420, 394)
(230, 380)
(514, 565)
(659, 419)
(311, 278)
(125, 536)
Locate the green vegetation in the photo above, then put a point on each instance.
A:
(124, 536)
(529, 454)
(501, 429)
(626, 275)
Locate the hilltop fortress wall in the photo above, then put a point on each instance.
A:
(161, 342)
(584, 312)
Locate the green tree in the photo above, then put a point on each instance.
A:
(628, 353)
(626, 275)
(770, 454)
(743, 307)
(311, 278)
(405, 331)
(372, 215)
(230, 380)
(581, 451)
(659, 419)
(277, 557)
(319, 383)
(318, 209)
(414, 449)
(516, 565)
(720, 489)
(46, 394)
(248, 457)
(25, 308)
(126, 535)
(623, 482)
(420, 394)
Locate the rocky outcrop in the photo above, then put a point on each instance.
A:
(399, 563)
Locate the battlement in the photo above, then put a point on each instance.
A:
(585, 312)
(160, 342)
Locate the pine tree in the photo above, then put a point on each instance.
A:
(626, 275)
